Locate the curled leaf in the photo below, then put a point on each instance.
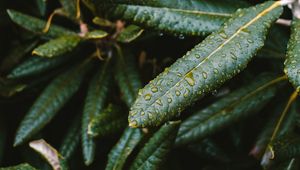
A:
(129, 34)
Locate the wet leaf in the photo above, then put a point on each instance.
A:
(96, 34)
(129, 34)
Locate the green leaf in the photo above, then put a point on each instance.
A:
(36, 65)
(189, 17)
(51, 100)
(93, 105)
(37, 25)
(69, 7)
(49, 153)
(285, 126)
(156, 149)
(292, 164)
(102, 22)
(96, 34)
(218, 58)
(291, 64)
(121, 151)
(71, 140)
(127, 77)
(129, 34)
(42, 6)
(58, 46)
(10, 89)
(227, 110)
(109, 121)
(23, 166)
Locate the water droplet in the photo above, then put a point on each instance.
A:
(293, 62)
(177, 92)
(197, 56)
(250, 41)
(223, 35)
(189, 78)
(233, 56)
(159, 102)
(154, 89)
(147, 96)
(133, 123)
(216, 71)
(186, 93)
(132, 113)
(179, 74)
(181, 36)
(204, 74)
(142, 113)
(161, 34)
(169, 100)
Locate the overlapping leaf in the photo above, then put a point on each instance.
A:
(23, 166)
(129, 34)
(235, 106)
(54, 96)
(156, 149)
(94, 104)
(37, 25)
(96, 34)
(189, 17)
(292, 62)
(218, 58)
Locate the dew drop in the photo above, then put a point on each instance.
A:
(161, 34)
(154, 89)
(293, 62)
(189, 78)
(159, 102)
(186, 93)
(177, 92)
(142, 113)
(233, 56)
(197, 56)
(147, 96)
(181, 36)
(216, 71)
(132, 113)
(204, 74)
(250, 41)
(223, 35)
(169, 100)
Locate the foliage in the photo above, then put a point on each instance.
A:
(157, 84)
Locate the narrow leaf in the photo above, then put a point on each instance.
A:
(96, 34)
(129, 34)
(292, 164)
(291, 64)
(120, 152)
(57, 46)
(190, 17)
(109, 121)
(152, 155)
(235, 106)
(94, 104)
(23, 166)
(218, 58)
(37, 25)
(54, 96)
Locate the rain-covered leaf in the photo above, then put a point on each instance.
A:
(112, 119)
(189, 17)
(93, 105)
(51, 100)
(96, 34)
(292, 66)
(235, 106)
(129, 34)
(127, 77)
(154, 152)
(36, 65)
(37, 25)
(57, 47)
(71, 140)
(120, 152)
(216, 59)
(23, 166)
(49, 153)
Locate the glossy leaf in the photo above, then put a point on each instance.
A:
(216, 59)
(127, 77)
(235, 106)
(37, 25)
(120, 152)
(156, 149)
(102, 22)
(51, 100)
(129, 34)
(69, 7)
(71, 140)
(23, 166)
(109, 121)
(190, 17)
(292, 61)
(96, 34)
(36, 65)
(56, 47)
(56, 161)
(94, 104)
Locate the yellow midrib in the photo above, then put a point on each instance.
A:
(276, 4)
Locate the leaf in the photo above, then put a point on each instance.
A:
(121, 151)
(218, 58)
(129, 34)
(49, 153)
(37, 25)
(287, 124)
(109, 121)
(189, 17)
(102, 22)
(51, 100)
(11, 89)
(96, 34)
(291, 64)
(235, 106)
(36, 65)
(41, 6)
(93, 105)
(57, 47)
(69, 7)
(71, 139)
(292, 164)
(23, 166)
(156, 149)
(127, 77)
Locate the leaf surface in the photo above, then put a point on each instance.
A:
(23, 166)
(129, 34)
